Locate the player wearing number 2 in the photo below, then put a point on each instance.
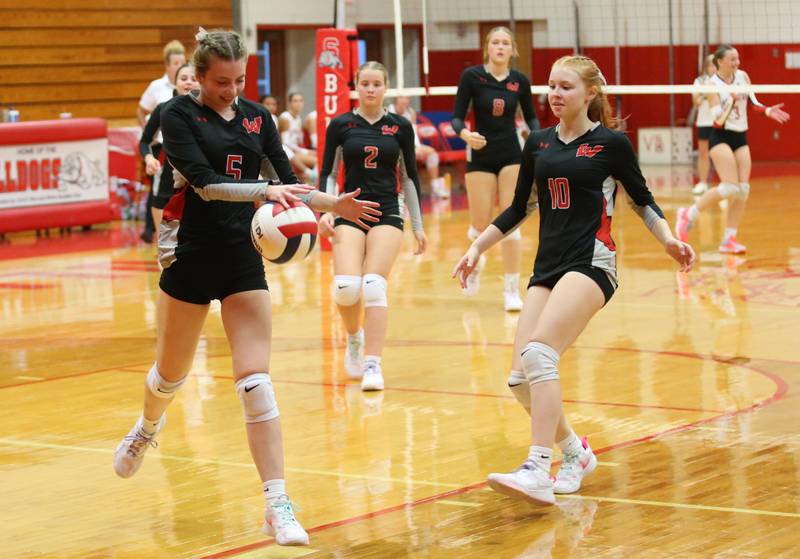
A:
(374, 144)
(569, 172)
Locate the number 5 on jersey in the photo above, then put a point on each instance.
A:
(559, 193)
(230, 170)
(372, 155)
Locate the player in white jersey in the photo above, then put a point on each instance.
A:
(728, 149)
(424, 153)
(310, 126)
(704, 123)
(306, 172)
(291, 129)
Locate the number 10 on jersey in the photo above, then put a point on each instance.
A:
(559, 193)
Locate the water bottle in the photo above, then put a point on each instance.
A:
(13, 115)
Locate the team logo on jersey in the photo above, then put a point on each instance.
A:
(512, 86)
(329, 55)
(202, 119)
(585, 151)
(389, 130)
(544, 145)
(254, 126)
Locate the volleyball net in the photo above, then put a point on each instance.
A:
(649, 51)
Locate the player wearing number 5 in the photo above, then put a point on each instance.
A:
(374, 144)
(569, 172)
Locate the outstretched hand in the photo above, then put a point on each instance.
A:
(357, 211)
(682, 253)
(466, 266)
(776, 113)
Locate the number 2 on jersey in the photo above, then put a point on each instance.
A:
(372, 155)
(230, 170)
(559, 193)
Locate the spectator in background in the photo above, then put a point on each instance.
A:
(310, 127)
(158, 91)
(290, 125)
(271, 104)
(704, 124)
(425, 154)
(307, 174)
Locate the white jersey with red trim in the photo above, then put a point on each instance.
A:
(704, 116)
(293, 137)
(411, 116)
(737, 120)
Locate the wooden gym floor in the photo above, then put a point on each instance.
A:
(685, 385)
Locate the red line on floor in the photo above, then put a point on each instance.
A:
(781, 389)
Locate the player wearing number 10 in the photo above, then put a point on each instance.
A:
(569, 172)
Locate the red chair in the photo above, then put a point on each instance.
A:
(450, 155)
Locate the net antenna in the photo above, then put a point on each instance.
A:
(425, 45)
(338, 14)
(398, 46)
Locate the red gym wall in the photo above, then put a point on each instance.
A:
(647, 65)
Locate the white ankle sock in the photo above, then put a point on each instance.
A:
(571, 444)
(542, 457)
(375, 359)
(274, 489)
(149, 427)
(512, 282)
(729, 232)
(356, 336)
(693, 213)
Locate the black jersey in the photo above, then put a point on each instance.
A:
(150, 130)
(494, 104)
(221, 162)
(574, 185)
(372, 155)
(165, 181)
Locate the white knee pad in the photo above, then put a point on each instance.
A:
(375, 291)
(257, 397)
(472, 233)
(159, 387)
(728, 189)
(520, 388)
(433, 161)
(540, 362)
(744, 190)
(346, 290)
(516, 235)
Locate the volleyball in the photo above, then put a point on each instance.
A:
(284, 235)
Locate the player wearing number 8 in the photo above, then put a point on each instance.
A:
(570, 172)
(496, 92)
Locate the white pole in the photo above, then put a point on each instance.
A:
(398, 44)
(339, 16)
(425, 42)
